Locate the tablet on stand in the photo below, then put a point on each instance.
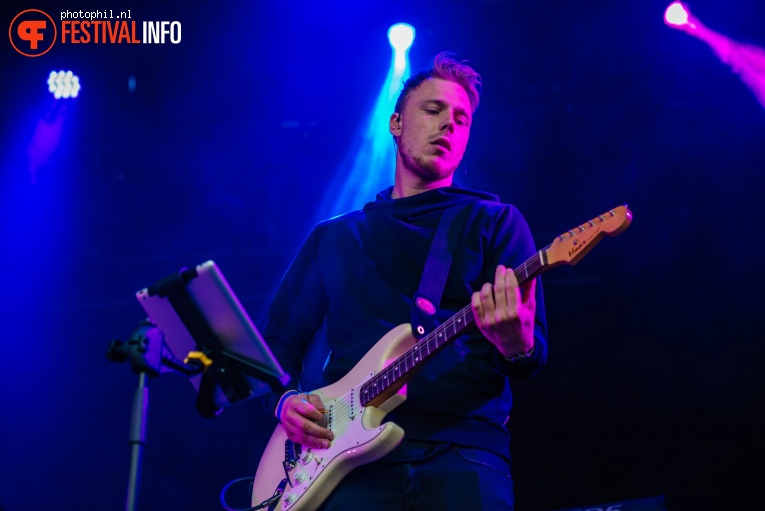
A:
(203, 322)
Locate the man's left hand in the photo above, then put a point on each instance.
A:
(504, 312)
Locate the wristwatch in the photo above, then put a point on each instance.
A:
(521, 356)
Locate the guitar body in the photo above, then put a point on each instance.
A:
(360, 436)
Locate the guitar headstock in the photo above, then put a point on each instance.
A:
(571, 246)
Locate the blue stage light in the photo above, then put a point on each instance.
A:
(401, 36)
(63, 84)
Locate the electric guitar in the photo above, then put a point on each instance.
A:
(291, 477)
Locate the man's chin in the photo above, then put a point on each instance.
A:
(429, 168)
(435, 170)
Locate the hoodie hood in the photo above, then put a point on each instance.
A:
(423, 204)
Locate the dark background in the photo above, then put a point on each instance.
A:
(225, 150)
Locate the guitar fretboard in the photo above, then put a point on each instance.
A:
(439, 338)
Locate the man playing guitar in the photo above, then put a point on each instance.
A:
(360, 272)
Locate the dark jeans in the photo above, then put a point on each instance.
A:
(456, 478)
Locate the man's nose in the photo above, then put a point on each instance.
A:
(447, 123)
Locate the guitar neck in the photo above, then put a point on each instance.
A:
(397, 373)
(568, 248)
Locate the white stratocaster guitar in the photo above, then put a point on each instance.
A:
(291, 477)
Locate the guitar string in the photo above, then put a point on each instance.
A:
(464, 314)
(415, 353)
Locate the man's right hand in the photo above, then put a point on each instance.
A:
(300, 414)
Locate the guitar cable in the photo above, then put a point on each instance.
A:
(268, 502)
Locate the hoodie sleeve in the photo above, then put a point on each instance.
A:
(511, 245)
(296, 312)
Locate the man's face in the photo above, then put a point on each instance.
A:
(433, 129)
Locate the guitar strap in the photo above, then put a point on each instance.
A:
(425, 301)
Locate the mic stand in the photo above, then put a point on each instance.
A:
(137, 438)
(148, 357)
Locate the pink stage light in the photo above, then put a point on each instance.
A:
(746, 60)
(676, 14)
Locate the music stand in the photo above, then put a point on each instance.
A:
(194, 315)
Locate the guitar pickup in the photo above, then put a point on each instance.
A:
(352, 404)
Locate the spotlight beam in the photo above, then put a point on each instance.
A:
(370, 164)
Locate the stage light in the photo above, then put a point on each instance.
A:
(746, 60)
(676, 14)
(401, 36)
(63, 84)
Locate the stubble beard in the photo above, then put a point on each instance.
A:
(424, 167)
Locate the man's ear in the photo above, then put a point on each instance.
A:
(394, 124)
